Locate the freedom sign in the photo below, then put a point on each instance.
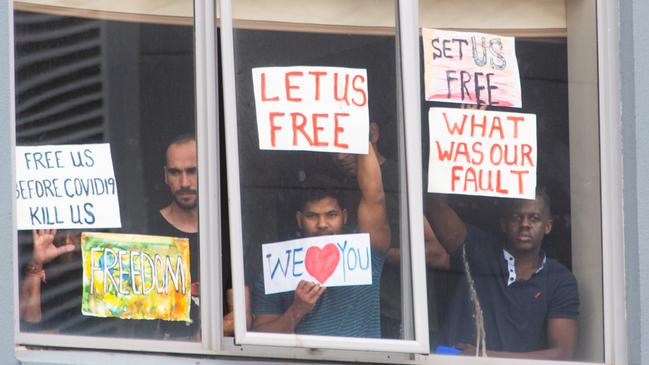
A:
(337, 260)
(66, 186)
(477, 152)
(308, 108)
(470, 68)
(135, 276)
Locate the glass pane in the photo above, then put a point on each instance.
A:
(105, 133)
(505, 180)
(320, 167)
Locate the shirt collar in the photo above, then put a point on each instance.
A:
(511, 266)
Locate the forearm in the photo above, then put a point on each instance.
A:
(372, 212)
(285, 323)
(30, 299)
(449, 229)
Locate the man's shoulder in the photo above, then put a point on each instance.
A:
(557, 270)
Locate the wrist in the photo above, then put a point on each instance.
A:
(33, 268)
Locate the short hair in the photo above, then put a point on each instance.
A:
(182, 138)
(179, 139)
(541, 192)
(317, 187)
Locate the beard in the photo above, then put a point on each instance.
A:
(180, 199)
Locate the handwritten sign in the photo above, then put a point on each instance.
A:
(135, 276)
(322, 109)
(338, 260)
(476, 152)
(66, 186)
(470, 68)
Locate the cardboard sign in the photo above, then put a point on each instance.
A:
(338, 260)
(476, 152)
(66, 186)
(322, 109)
(470, 68)
(135, 276)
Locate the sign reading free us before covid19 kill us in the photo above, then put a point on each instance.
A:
(66, 186)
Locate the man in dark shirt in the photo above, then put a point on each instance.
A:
(529, 302)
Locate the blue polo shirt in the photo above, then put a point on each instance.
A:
(349, 311)
(516, 312)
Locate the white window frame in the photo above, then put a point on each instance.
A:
(407, 37)
(208, 165)
(615, 342)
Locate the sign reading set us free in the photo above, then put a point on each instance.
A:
(338, 260)
(310, 108)
(66, 186)
(477, 152)
(135, 276)
(470, 68)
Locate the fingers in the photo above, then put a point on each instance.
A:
(309, 291)
(37, 233)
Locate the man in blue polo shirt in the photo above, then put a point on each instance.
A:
(351, 311)
(529, 302)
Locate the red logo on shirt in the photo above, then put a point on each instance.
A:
(537, 295)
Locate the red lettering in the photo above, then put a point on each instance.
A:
(496, 148)
(444, 155)
(516, 120)
(526, 151)
(360, 90)
(317, 75)
(455, 128)
(476, 125)
(338, 129)
(263, 90)
(496, 126)
(499, 187)
(316, 130)
(289, 87)
(470, 171)
(520, 174)
(463, 150)
(345, 96)
(300, 127)
(273, 127)
(476, 147)
(454, 176)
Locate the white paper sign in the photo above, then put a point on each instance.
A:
(66, 186)
(306, 108)
(338, 260)
(477, 152)
(470, 68)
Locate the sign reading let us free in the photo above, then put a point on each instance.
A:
(338, 260)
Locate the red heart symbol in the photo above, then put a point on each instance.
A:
(321, 263)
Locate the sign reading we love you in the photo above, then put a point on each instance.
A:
(338, 260)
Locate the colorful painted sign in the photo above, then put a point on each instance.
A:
(307, 108)
(477, 152)
(470, 68)
(338, 260)
(66, 186)
(135, 276)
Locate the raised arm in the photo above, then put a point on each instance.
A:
(447, 225)
(436, 255)
(30, 287)
(372, 213)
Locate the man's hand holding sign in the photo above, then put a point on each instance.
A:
(322, 109)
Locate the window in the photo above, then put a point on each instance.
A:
(309, 133)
